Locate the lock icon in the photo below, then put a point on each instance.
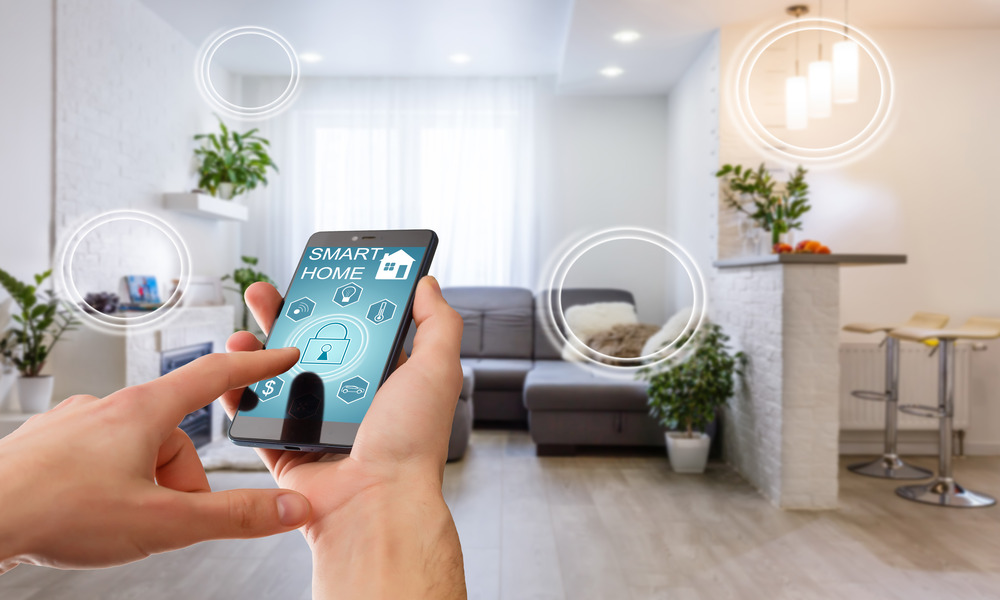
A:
(327, 347)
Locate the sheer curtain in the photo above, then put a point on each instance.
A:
(452, 155)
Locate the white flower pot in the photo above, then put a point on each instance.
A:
(35, 393)
(226, 191)
(688, 455)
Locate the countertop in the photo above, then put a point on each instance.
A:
(812, 259)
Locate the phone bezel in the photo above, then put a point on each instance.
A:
(340, 432)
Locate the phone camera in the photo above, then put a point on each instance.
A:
(354, 239)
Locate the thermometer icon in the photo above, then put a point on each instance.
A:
(381, 312)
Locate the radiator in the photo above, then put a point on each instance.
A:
(862, 367)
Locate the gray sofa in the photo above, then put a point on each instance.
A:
(461, 425)
(518, 376)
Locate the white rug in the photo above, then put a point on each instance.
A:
(223, 455)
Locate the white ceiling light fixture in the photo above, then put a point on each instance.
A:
(845, 68)
(820, 82)
(626, 36)
(310, 57)
(797, 87)
(612, 72)
(460, 58)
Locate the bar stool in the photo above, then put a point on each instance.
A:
(889, 465)
(944, 490)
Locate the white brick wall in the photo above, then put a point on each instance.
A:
(126, 108)
(781, 428)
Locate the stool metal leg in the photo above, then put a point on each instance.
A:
(944, 490)
(889, 465)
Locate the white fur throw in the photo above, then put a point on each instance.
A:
(585, 320)
(668, 333)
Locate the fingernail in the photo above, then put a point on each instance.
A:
(434, 283)
(292, 509)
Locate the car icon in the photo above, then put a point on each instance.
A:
(351, 389)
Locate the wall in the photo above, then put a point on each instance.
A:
(923, 192)
(692, 160)
(25, 141)
(602, 166)
(126, 108)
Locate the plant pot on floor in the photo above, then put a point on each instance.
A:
(35, 393)
(688, 454)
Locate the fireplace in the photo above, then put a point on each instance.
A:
(198, 425)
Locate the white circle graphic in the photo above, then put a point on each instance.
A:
(203, 78)
(67, 289)
(554, 319)
(758, 132)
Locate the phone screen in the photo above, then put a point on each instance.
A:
(346, 310)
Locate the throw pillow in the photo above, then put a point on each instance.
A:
(622, 340)
(668, 333)
(585, 320)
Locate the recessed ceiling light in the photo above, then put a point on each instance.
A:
(612, 71)
(310, 57)
(626, 36)
(459, 58)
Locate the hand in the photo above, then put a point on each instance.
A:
(97, 482)
(379, 521)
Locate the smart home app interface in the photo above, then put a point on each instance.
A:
(342, 312)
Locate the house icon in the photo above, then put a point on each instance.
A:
(394, 266)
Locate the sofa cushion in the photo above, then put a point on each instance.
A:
(498, 373)
(558, 385)
(570, 297)
(468, 382)
(498, 320)
(472, 331)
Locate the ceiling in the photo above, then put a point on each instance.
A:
(566, 39)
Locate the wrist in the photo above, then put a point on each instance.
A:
(15, 519)
(409, 541)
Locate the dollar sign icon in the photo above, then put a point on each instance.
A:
(268, 388)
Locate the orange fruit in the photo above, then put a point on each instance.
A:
(812, 246)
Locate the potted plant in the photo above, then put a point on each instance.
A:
(685, 394)
(244, 277)
(752, 192)
(42, 320)
(232, 163)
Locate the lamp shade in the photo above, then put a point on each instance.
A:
(796, 103)
(845, 72)
(820, 83)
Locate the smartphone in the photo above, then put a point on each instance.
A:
(347, 310)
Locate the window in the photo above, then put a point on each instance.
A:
(462, 168)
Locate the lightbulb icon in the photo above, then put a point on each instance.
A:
(347, 294)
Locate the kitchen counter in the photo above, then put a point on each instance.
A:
(782, 427)
(812, 259)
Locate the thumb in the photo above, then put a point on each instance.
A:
(200, 516)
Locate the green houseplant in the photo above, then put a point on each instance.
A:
(756, 194)
(232, 163)
(244, 277)
(684, 395)
(41, 321)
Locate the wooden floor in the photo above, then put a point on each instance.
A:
(615, 527)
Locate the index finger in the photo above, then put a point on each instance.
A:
(199, 382)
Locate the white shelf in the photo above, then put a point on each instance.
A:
(205, 206)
